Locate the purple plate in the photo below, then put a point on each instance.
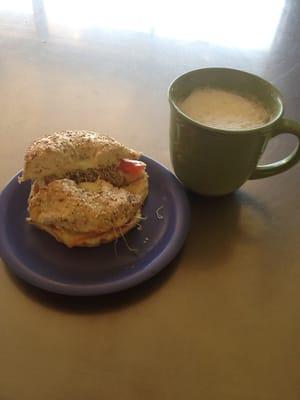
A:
(39, 259)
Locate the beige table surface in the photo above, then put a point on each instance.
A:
(223, 320)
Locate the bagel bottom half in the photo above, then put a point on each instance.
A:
(86, 214)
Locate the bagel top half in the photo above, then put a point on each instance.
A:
(77, 155)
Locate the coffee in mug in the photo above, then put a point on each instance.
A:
(222, 109)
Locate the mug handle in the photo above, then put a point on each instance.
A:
(263, 171)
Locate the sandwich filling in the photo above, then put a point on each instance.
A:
(88, 239)
(118, 174)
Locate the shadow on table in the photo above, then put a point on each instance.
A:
(97, 304)
(218, 223)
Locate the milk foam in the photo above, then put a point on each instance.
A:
(222, 109)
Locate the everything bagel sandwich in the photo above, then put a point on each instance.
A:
(87, 188)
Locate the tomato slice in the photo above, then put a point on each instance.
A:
(131, 167)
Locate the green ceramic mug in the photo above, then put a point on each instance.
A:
(213, 161)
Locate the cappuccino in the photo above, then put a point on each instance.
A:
(223, 109)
